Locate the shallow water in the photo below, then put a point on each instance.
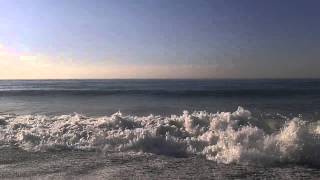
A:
(19, 164)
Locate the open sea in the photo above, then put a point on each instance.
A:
(160, 129)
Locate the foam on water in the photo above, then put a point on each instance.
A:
(226, 137)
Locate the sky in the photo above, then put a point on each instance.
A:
(48, 39)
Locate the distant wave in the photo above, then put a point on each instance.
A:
(225, 137)
(218, 93)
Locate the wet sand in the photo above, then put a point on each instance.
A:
(19, 164)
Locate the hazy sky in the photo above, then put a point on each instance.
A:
(159, 39)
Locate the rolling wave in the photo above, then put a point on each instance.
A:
(224, 137)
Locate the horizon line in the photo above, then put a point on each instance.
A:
(48, 79)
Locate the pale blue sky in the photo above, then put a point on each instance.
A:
(254, 39)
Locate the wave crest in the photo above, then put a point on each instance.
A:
(226, 137)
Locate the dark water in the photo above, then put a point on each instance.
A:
(275, 101)
(164, 97)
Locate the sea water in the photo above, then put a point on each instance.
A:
(142, 129)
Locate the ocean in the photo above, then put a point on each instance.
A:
(160, 129)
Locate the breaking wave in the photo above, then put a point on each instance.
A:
(224, 137)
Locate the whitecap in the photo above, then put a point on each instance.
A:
(224, 137)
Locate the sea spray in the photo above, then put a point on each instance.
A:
(224, 137)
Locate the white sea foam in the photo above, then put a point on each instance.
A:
(222, 137)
